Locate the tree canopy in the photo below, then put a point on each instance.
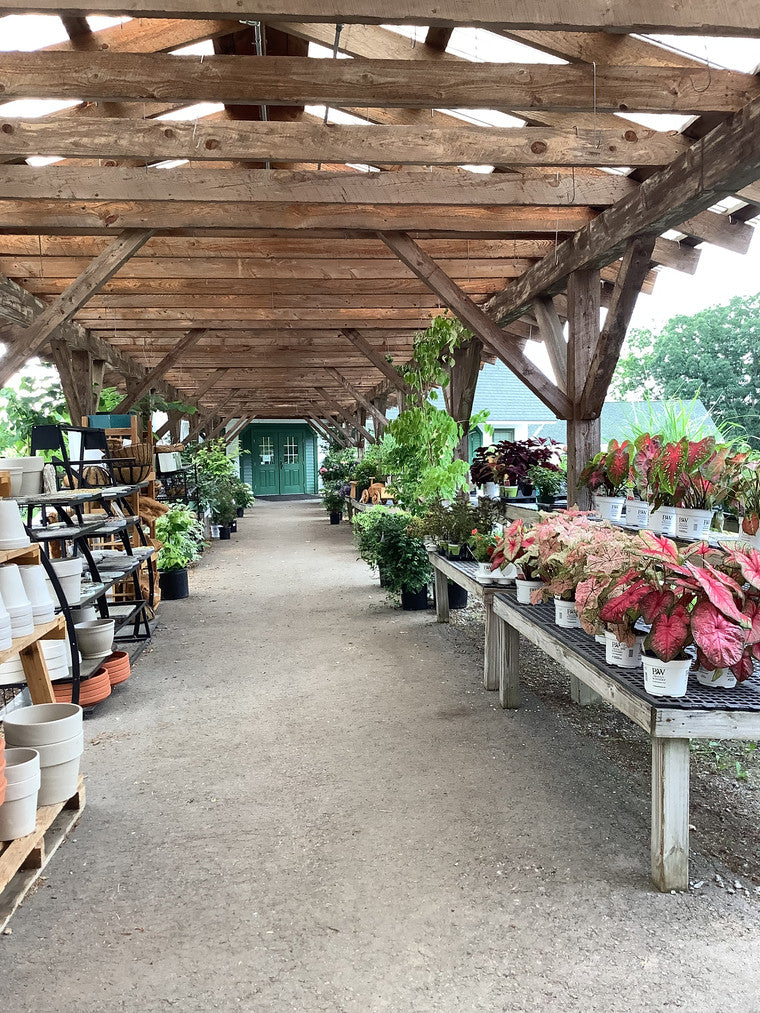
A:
(713, 355)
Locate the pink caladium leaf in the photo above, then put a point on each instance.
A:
(749, 563)
(719, 594)
(658, 600)
(669, 634)
(704, 662)
(699, 452)
(720, 640)
(743, 668)
(662, 550)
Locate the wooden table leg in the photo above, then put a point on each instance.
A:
(670, 814)
(441, 597)
(581, 694)
(509, 670)
(494, 652)
(37, 675)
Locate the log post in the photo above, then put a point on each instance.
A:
(583, 434)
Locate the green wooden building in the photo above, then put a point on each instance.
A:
(278, 457)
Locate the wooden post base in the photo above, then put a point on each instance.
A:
(670, 814)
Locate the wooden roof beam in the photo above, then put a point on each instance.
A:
(159, 371)
(726, 159)
(295, 81)
(27, 342)
(699, 17)
(331, 401)
(472, 316)
(377, 359)
(380, 420)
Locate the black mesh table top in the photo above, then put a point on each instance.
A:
(744, 696)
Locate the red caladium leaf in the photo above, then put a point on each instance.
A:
(699, 452)
(704, 662)
(719, 593)
(744, 668)
(658, 600)
(618, 463)
(616, 607)
(721, 641)
(751, 524)
(670, 464)
(669, 634)
(659, 547)
(748, 562)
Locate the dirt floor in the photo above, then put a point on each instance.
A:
(303, 800)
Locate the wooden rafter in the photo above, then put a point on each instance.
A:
(380, 420)
(727, 159)
(26, 342)
(472, 316)
(329, 400)
(377, 359)
(159, 371)
(550, 326)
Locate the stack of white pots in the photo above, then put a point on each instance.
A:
(56, 659)
(54, 730)
(25, 474)
(16, 601)
(18, 813)
(6, 635)
(12, 532)
(36, 586)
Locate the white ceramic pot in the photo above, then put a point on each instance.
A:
(665, 678)
(84, 614)
(620, 654)
(12, 588)
(18, 813)
(12, 532)
(610, 507)
(214, 530)
(55, 730)
(491, 490)
(35, 585)
(69, 573)
(95, 638)
(566, 614)
(524, 589)
(600, 639)
(484, 571)
(31, 475)
(721, 678)
(42, 723)
(693, 524)
(15, 468)
(637, 513)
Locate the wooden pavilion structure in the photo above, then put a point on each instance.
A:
(258, 259)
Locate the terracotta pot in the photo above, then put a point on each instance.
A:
(91, 691)
(118, 667)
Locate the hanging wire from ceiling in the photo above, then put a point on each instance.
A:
(336, 43)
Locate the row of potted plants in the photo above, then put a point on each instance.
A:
(699, 600)
(679, 485)
(512, 467)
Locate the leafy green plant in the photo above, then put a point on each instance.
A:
(217, 481)
(547, 482)
(242, 494)
(368, 527)
(181, 535)
(332, 501)
(34, 401)
(402, 555)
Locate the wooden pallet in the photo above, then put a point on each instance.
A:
(23, 861)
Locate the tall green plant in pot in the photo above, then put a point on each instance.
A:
(404, 561)
(181, 537)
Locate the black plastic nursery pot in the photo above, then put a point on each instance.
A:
(173, 584)
(457, 597)
(240, 512)
(233, 527)
(224, 532)
(414, 601)
(335, 518)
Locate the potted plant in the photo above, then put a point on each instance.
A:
(518, 547)
(334, 504)
(368, 528)
(639, 511)
(515, 458)
(607, 476)
(404, 560)
(223, 509)
(181, 537)
(482, 470)
(243, 496)
(549, 483)
(482, 548)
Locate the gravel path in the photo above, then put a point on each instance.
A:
(304, 801)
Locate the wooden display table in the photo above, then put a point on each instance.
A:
(703, 713)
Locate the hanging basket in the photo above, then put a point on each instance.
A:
(132, 464)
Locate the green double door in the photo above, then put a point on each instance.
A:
(279, 468)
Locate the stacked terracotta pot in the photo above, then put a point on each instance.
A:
(93, 690)
(118, 667)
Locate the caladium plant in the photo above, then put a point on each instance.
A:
(610, 471)
(517, 545)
